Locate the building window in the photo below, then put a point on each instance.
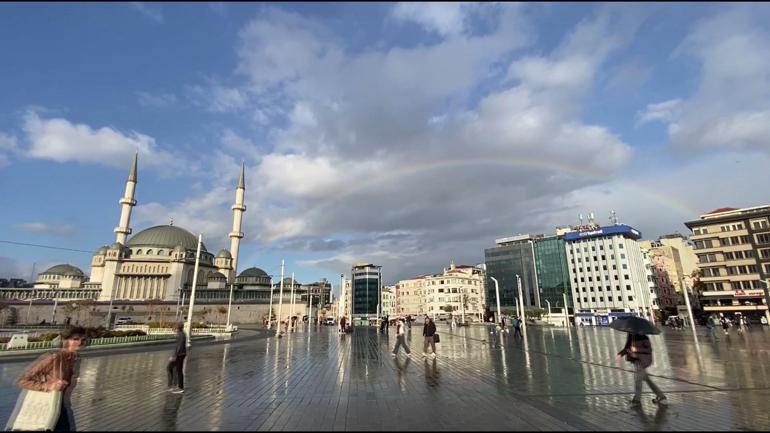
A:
(630, 298)
(625, 266)
(601, 299)
(593, 299)
(609, 298)
(620, 246)
(763, 238)
(759, 225)
(628, 287)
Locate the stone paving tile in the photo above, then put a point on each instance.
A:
(554, 380)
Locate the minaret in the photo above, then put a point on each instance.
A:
(126, 203)
(235, 236)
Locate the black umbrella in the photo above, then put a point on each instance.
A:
(634, 325)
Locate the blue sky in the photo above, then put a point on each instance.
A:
(407, 135)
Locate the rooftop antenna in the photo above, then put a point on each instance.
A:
(613, 217)
(171, 223)
(591, 217)
(580, 216)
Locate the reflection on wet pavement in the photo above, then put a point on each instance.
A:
(553, 379)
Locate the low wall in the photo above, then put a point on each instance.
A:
(95, 313)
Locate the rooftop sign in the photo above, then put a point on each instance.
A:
(620, 229)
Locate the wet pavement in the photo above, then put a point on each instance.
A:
(555, 379)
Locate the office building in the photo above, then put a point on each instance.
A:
(366, 292)
(512, 256)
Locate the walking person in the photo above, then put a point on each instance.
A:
(710, 328)
(428, 333)
(638, 351)
(57, 371)
(401, 339)
(176, 362)
(342, 325)
(725, 324)
(517, 328)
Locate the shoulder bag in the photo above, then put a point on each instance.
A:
(36, 410)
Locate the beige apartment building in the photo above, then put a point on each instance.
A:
(672, 258)
(733, 251)
(458, 289)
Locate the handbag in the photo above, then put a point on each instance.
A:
(436, 338)
(36, 410)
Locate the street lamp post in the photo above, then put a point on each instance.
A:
(566, 310)
(280, 305)
(689, 308)
(55, 304)
(498, 314)
(230, 305)
(192, 292)
(767, 299)
(270, 308)
(549, 310)
(521, 302)
(291, 310)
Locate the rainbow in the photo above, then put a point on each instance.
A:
(669, 202)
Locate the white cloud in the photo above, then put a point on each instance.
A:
(731, 106)
(8, 146)
(150, 12)
(665, 111)
(440, 17)
(63, 141)
(219, 99)
(383, 141)
(40, 228)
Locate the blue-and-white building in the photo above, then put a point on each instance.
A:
(607, 273)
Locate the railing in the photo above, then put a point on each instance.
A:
(216, 329)
(92, 342)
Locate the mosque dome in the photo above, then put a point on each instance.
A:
(224, 253)
(63, 269)
(165, 236)
(253, 272)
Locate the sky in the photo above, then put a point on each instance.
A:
(406, 135)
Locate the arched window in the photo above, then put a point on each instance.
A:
(139, 251)
(149, 252)
(161, 252)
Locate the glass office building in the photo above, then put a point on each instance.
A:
(552, 271)
(367, 290)
(512, 256)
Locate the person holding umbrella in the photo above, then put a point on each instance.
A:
(638, 351)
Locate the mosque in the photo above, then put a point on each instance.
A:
(158, 264)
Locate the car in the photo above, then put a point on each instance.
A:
(329, 321)
(123, 321)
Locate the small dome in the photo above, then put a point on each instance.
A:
(180, 249)
(117, 246)
(165, 236)
(224, 253)
(102, 251)
(63, 269)
(217, 276)
(288, 282)
(253, 272)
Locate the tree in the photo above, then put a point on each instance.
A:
(534, 313)
(221, 311)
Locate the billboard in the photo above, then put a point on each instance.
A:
(620, 229)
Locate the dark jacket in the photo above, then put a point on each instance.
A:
(638, 349)
(181, 344)
(429, 329)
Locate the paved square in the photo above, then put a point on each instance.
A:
(556, 379)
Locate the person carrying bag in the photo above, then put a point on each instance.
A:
(46, 386)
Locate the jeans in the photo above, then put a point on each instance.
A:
(401, 341)
(641, 376)
(177, 365)
(429, 341)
